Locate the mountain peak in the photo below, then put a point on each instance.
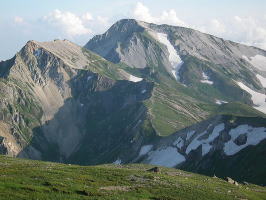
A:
(69, 52)
(54, 45)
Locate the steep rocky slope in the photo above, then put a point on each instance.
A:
(198, 71)
(59, 100)
(130, 42)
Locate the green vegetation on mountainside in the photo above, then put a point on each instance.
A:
(25, 179)
(20, 109)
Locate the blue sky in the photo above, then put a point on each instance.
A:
(78, 20)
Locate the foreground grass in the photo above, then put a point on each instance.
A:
(25, 179)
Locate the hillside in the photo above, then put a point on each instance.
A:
(25, 179)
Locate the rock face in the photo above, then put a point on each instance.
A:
(166, 95)
(209, 71)
(62, 99)
(132, 41)
(197, 60)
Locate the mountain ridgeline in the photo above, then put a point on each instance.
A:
(139, 93)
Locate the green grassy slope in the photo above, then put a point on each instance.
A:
(25, 179)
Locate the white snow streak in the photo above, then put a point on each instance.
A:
(220, 102)
(179, 143)
(262, 80)
(257, 61)
(145, 149)
(206, 147)
(206, 79)
(89, 78)
(174, 58)
(143, 91)
(257, 98)
(118, 162)
(168, 157)
(254, 137)
(135, 79)
(189, 134)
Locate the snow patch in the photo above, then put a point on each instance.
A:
(206, 147)
(145, 149)
(89, 78)
(254, 137)
(117, 162)
(216, 132)
(257, 61)
(174, 58)
(179, 143)
(220, 102)
(206, 79)
(262, 80)
(189, 134)
(168, 157)
(135, 79)
(194, 144)
(143, 91)
(258, 99)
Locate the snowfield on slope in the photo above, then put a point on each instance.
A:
(206, 79)
(262, 80)
(253, 137)
(174, 58)
(168, 157)
(220, 102)
(135, 79)
(117, 162)
(190, 134)
(145, 149)
(205, 143)
(179, 143)
(257, 98)
(257, 61)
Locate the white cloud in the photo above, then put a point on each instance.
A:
(18, 20)
(141, 12)
(87, 17)
(170, 17)
(68, 22)
(246, 30)
(81, 27)
(217, 27)
(103, 20)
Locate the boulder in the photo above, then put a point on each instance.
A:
(154, 169)
(231, 181)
